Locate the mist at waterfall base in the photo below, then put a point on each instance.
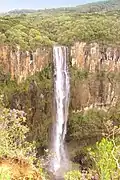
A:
(59, 162)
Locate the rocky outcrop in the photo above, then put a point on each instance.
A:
(93, 57)
(95, 91)
(100, 88)
(22, 64)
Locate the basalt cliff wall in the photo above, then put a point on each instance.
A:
(100, 86)
(91, 57)
(94, 90)
(21, 64)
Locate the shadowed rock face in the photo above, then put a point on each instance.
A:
(93, 91)
(98, 89)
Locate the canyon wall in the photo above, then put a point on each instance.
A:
(102, 85)
(93, 57)
(21, 64)
(95, 82)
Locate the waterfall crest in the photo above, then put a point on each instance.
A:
(61, 101)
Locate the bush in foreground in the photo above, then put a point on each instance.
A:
(17, 155)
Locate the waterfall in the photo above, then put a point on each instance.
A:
(61, 102)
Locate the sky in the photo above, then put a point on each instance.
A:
(6, 5)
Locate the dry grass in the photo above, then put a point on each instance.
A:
(18, 169)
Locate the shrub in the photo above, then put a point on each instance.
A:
(4, 174)
(13, 132)
(104, 159)
(73, 175)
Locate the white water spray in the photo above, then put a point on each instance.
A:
(61, 97)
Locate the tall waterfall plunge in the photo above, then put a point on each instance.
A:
(61, 102)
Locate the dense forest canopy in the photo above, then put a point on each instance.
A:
(30, 29)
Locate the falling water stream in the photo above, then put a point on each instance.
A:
(61, 100)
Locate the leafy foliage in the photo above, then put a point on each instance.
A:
(14, 146)
(4, 174)
(72, 175)
(13, 134)
(104, 160)
(34, 97)
(62, 26)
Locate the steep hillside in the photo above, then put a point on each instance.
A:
(109, 5)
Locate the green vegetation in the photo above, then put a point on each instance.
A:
(4, 174)
(13, 131)
(26, 109)
(85, 127)
(100, 6)
(17, 154)
(34, 97)
(32, 30)
(13, 134)
(72, 175)
(104, 159)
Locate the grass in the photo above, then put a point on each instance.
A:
(4, 173)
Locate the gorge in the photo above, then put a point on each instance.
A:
(94, 98)
(94, 72)
(91, 58)
(60, 93)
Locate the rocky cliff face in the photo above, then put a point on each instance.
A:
(93, 57)
(95, 81)
(101, 87)
(22, 64)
